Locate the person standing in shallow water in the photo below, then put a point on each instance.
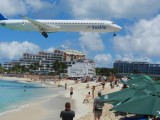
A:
(67, 114)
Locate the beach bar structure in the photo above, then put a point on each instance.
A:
(81, 68)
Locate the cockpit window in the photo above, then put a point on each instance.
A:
(112, 23)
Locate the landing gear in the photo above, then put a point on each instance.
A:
(45, 34)
(114, 34)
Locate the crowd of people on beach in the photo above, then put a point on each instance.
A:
(69, 114)
(97, 104)
(90, 96)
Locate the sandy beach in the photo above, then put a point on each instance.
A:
(50, 108)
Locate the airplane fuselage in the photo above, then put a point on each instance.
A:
(62, 25)
(48, 26)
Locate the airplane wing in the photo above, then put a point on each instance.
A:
(41, 26)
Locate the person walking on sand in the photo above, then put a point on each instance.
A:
(71, 92)
(65, 86)
(67, 114)
(86, 99)
(97, 107)
(103, 85)
(93, 89)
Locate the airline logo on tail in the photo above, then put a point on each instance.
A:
(3, 17)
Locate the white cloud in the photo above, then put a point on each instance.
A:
(83, 8)
(130, 57)
(67, 44)
(113, 8)
(14, 50)
(103, 59)
(91, 41)
(14, 7)
(51, 49)
(64, 46)
(142, 39)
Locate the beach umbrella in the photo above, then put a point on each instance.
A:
(139, 82)
(147, 77)
(157, 82)
(145, 105)
(153, 87)
(124, 94)
(140, 77)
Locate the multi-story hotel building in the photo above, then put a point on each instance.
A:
(45, 59)
(137, 67)
(77, 64)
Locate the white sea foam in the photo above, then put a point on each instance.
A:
(15, 109)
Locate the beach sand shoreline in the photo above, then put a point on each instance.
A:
(52, 107)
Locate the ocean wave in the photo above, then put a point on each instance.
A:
(15, 109)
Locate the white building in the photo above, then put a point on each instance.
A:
(81, 68)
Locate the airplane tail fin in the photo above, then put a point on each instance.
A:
(3, 17)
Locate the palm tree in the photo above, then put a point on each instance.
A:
(105, 71)
(24, 69)
(16, 68)
(59, 67)
(1, 69)
(34, 66)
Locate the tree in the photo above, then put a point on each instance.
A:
(24, 69)
(105, 71)
(59, 67)
(16, 68)
(34, 66)
(1, 69)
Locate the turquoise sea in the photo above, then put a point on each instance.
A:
(15, 95)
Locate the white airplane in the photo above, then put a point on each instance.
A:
(50, 26)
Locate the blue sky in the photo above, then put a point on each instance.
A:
(139, 40)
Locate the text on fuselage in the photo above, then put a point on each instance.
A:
(99, 27)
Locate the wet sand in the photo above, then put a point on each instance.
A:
(43, 110)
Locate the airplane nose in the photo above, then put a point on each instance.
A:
(117, 28)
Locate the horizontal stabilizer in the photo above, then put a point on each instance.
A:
(3, 17)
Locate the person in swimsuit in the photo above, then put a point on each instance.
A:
(71, 92)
